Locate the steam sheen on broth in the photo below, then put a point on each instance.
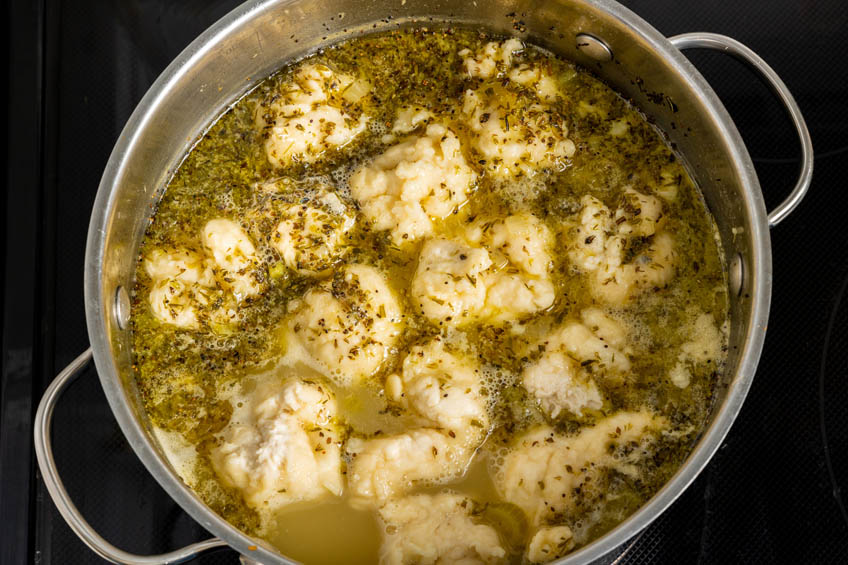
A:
(433, 295)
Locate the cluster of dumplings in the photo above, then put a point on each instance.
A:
(285, 443)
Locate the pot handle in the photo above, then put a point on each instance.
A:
(47, 465)
(729, 45)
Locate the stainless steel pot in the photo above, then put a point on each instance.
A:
(257, 38)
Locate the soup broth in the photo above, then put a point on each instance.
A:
(429, 295)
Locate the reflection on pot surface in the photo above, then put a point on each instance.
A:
(435, 295)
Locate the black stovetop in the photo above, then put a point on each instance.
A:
(77, 68)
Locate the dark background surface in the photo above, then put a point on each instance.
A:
(76, 70)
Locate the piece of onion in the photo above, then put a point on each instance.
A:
(356, 91)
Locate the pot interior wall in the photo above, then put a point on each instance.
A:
(231, 58)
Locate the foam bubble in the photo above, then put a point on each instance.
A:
(378, 127)
(340, 179)
(523, 191)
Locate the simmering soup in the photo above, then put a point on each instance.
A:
(429, 296)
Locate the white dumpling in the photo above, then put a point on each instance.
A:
(591, 249)
(410, 117)
(583, 344)
(441, 387)
(436, 530)
(703, 346)
(384, 467)
(347, 325)
(448, 284)
(705, 340)
(309, 117)
(515, 136)
(523, 239)
(310, 235)
(616, 283)
(655, 267)
(407, 120)
(563, 378)
(171, 302)
(497, 60)
(182, 265)
(605, 327)
(558, 384)
(188, 287)
(544, 469)
(668, 185)
(413, 184)
(549, 543)
(492, 60)
(443, 390)
(524, 243)
(599, 243)
(536, 78)
(234, 256)
(178, 278)
(642, 214)
(500, 271)
(282, 446)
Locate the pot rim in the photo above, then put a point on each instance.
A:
(105, 203)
